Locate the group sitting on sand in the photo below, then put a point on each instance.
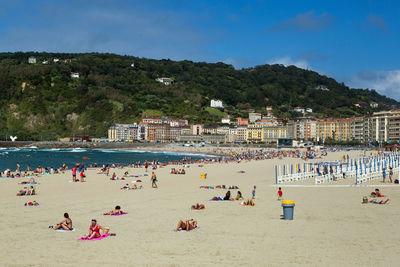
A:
(377, 198)
(26, 192)
(198, 206)
(224, 187)
(177, 171)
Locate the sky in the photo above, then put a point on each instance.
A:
(355, 41)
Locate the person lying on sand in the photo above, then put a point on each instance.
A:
(239, 196)
(198, 207)
(23, 192)
(228, 196)
(187, 225)
(65, 224)
(248, 202)
(117, 210)
(31, 181)
(96, 230)
(379, 201)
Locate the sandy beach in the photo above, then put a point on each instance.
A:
(331, 227)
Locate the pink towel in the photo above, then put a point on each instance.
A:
(94, 239)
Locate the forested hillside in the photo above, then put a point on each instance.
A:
(41, 100)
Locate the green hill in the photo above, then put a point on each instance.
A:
(42, 101)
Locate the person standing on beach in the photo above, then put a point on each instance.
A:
(253, 193)
(74, 174)
(391, 174)
(146, 165)
(384, 174)
(18, 168)
(280, 193)
(153, 180)
(82, 175)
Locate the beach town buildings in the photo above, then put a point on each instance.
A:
(253, 117)
(216, 103)
(242, 121)
(226, 120)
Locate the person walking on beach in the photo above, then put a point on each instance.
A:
(391, 174)
(280, 193)
(153, 180)
(253, 193)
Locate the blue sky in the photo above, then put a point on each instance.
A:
(356, 42)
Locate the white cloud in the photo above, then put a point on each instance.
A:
(308, 21)
(288, 61)
(384, 82)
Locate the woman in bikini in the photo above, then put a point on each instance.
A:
(198, 207)
(65, 224)
(187, 225)
(96, 230)
(117, 210)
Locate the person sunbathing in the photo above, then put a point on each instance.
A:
(248, 202)
(228, 196)
(117, 210)
(65, 224)
(198, 207)
(376, 201)
(126, 187)
(23, 192)
(239, 196)
(233, 187)
(377, 193)
(96, 230)
(113, 177)
(186, 225)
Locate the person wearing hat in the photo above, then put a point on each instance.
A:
(96, 230)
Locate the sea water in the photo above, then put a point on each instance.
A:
(55, 157)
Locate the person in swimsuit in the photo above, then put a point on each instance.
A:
(23, 192)
(239, 195)
(65, 224)
(117, 210)
(153, 180)
(198, 207)
(96, 230)
(187, 225)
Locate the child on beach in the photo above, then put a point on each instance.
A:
(82, 175)
(280, 194)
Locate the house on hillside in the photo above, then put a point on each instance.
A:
(299, 109)
(321, 87)
(226, 120)
(374, 105)
(216, 103)
(74, 75)
(165, 81)
(309, 110)
(32, 60)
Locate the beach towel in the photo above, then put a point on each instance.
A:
(180, 229)
(123, 213)
(29, 204)
(95, 239)
(65, 231)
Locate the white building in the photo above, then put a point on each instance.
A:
(226, 120)
(165, 81)
(374, 105)
(269, 108)
(299, 109)
(216, 103)
(55, 60)
(309, 110)
(74, 75)
(32, 60)
(253, 117)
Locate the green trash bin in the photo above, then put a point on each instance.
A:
(288, 209)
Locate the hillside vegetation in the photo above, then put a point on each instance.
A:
(41, 101)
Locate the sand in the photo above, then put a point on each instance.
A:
(331, 226)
